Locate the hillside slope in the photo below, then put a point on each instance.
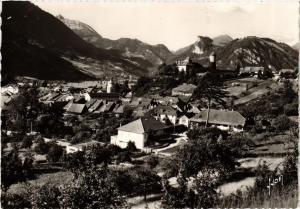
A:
(130, 48)
(36, 44)
(248, 51)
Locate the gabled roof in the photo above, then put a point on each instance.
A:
(187, 88)
(76, 108)
(194, 109)
(90, 103)
(95, 105)
(143, 125)
(119, 109)
(222, 117)
(106, 96)
(67, 106)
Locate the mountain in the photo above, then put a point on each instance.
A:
(130, 48)
(254, 51)
(248, 51)
(36, 44)
(222, 40)
(198, 50)
(296, 46)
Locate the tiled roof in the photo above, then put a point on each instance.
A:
(187, 88)
(222, 117)
(143, 125)
(95, 105)
(76, 108)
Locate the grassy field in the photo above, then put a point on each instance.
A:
(55, 178)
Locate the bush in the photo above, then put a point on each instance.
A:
(10, 200)
(41, 148)
(123, 157)
(26, 142)
(152, 161)
(291, 109)
(282, 123)
(55, 152)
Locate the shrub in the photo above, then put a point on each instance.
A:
(123, 157)
(26, 142)
(131, 146)
(55, 152)
(10, 200)
(152, 161)
(291, 109)
(41, 148)
(282, 123)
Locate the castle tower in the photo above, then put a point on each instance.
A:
(212, 61)
(109, 86)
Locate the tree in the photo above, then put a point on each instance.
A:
(202, 153)
(210, 88)
(131, 146)
(13, 169)
(94, 188)
(45, 197)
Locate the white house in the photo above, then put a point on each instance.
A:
(184, 120)
(11, 89)
(138, 132)
(181, 64)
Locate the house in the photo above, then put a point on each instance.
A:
(111, 97)
(12, 89)
(119, 110)
(182, 64)
(98, 103)
(222, 119)
(138, 132)
(254, 71)
(75, 108)
(163, 113)
(184, 90)
(184, 120)
(194, 110)
(168, 100)
(72, 148)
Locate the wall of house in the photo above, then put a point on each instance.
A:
(124, 137)
(170, 117)
(182, 68)
(184, 121)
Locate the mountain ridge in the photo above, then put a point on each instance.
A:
(38, 51)
(155, 54)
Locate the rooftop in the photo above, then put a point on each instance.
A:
(76, 108)
(222, 117)
(143, 125)
(188, 88)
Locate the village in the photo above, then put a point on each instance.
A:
(62, 119)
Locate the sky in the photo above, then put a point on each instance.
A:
(177, 24)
